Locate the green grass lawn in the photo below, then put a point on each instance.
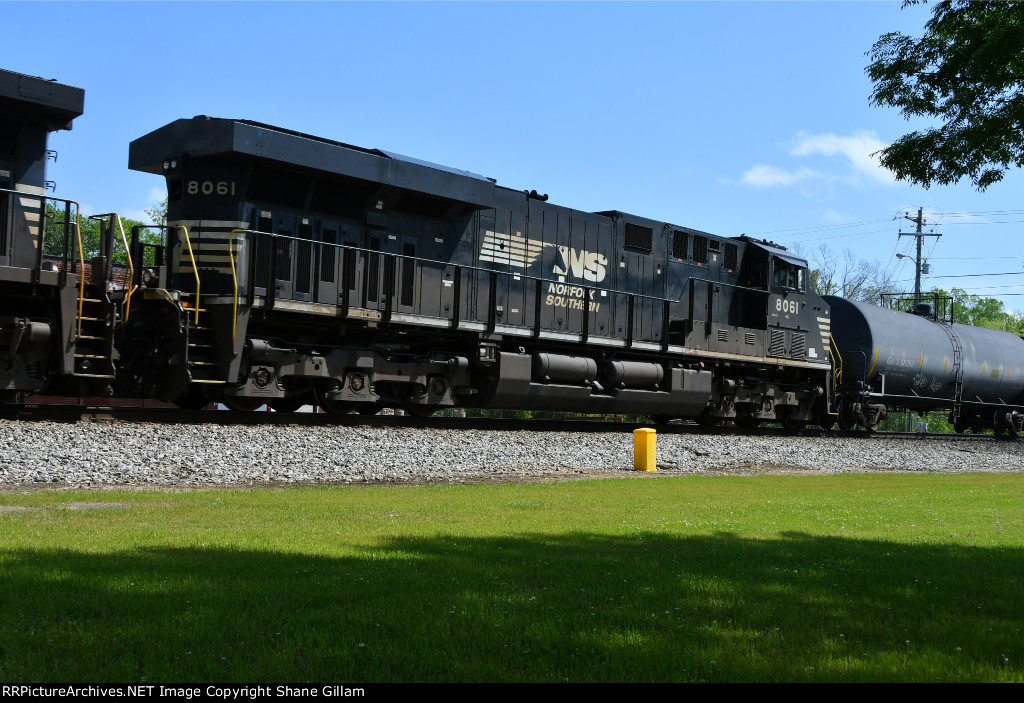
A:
(795, 578)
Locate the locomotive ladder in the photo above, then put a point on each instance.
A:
(96, 317)
(201, 343)
(203, 366)
(958, 368)
(94, 343)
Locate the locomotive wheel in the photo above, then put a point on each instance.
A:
(192, 399)
(289, 404)
(417, 409)
(661, 419)
(242, 405)
(368, 408)
(707, 419)
(748, 421)
(334, 407)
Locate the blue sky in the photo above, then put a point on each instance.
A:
(731, 117)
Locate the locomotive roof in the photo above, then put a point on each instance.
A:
(204, 136)
(53, 103)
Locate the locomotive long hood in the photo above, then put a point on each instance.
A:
(241, 139)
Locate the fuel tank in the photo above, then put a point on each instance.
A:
(918, 356)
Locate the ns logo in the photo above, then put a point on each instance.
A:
(588, 265)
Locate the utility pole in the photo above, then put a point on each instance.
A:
(919, 221)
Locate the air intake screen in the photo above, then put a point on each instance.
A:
(680, 244)
(700, 249)
(730, 257)
(638, 237)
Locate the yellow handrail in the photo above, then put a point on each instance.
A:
(194, 270)
(837, 369)
(234, 276)
(130, 288)
(81, 262)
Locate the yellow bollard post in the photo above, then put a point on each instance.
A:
(644, 451)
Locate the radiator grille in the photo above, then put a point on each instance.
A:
(750, 338)
(776, 343)
(723, 335)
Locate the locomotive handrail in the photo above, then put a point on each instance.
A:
(470, 267)
(195, 270)
(837, 371)
(131, 269)
(234, 278)
(43, 198)
(81, 262)
(129, 285)
(389, 258)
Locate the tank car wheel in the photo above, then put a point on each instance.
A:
(192, 399)
(847, 419)
(961, 424)
(242, 405)
(1014, 422)
(334, 407)
(999, 424)
(792, 421)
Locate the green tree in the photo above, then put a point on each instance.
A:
(968, 72)
(973, 310)
(53, 242)
(158, 213)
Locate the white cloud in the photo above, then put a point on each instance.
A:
(849, 157)
(857, 149)
(765, 176)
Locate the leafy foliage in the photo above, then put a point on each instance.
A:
(53, 243)
(968, 71)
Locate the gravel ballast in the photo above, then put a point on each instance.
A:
(159, 455)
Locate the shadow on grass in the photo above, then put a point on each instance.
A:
(580, 608)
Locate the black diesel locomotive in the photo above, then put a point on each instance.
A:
(301, 270)
(57, 323)
(295, 269)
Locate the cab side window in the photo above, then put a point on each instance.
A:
(788, 275)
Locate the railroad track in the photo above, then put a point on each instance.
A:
(66, 413)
